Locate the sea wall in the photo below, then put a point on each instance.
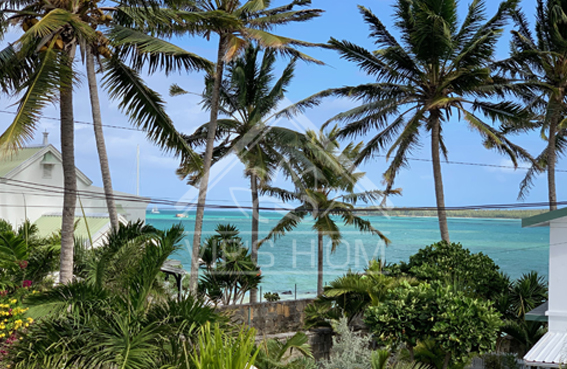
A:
(281, 320)
(270, 317)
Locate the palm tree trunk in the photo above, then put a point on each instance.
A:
(69, 183)
(204, 184)
(551, 162)
(437, 177)
(319, 263)
(254, 236)
(99, 138)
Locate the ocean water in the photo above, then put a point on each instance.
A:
(290, 263)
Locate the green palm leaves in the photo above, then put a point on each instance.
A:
(538, 59)
(116, 316)
(320, 188)
(438, 69)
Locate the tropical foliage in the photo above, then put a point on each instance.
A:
(116, 315)
(451, 262)
(249, 95)
(230, 271)
(439, 69)
(538, 64)
(326, 189)
(459, 325)
(350, 295)
(251, 22)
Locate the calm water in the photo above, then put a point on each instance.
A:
(291, 260)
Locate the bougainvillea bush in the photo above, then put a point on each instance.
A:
(13, 320)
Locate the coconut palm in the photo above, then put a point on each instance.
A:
(326, 194)
(249, 96)
(440, 68)
(255, 18)
(539, 62)
(40, 67)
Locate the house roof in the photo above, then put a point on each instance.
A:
(14, 163)
(538, 314)
(542, 220)
(549, 351)
(49, 224)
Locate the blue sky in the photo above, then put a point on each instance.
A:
(464, 185)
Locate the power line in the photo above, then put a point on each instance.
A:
(165, 202)
(82, 122)
(474, 164)
(378, 156)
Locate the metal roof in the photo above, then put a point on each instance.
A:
(550, 351)
(542, 220)
(538, 314)
(49, 224)
(14, 160)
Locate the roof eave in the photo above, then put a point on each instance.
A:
(542, 220)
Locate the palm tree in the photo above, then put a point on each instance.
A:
(438, 69)
(99, 139)
(231, 272)
(248, 98)
(254, 19)
(540, 64)
(39, 66)
(326, 193)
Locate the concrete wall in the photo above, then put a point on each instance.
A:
(270, 317)
(557, 312)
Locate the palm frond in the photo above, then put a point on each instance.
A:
(144, 107)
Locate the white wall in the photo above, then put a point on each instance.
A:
(21, 201)
(558, 275)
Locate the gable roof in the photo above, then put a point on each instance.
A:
(13, 164)
(542, 220)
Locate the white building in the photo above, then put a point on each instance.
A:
(551, 349)
(31, 187)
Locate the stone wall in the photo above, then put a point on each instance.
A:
(270, 317)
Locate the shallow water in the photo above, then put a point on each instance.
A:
(290, 262)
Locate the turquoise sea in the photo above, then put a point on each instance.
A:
(290, 262)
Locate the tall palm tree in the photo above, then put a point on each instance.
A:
(40, 67)
(326, 194)
(99, 139)
(438, 69)
(539, 61)
(248, 98)
(254, 19)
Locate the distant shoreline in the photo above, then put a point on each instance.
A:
(462, 214)
(402, 213)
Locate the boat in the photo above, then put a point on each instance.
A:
(181, 215)
(155, 210)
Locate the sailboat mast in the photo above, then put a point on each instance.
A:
(138, 170)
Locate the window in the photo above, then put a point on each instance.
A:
(47, 171)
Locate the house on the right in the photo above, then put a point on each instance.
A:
(551, 350)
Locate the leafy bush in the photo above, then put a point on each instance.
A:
(457, 324)
(350, 295)
(452, 263)
(272, 296)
